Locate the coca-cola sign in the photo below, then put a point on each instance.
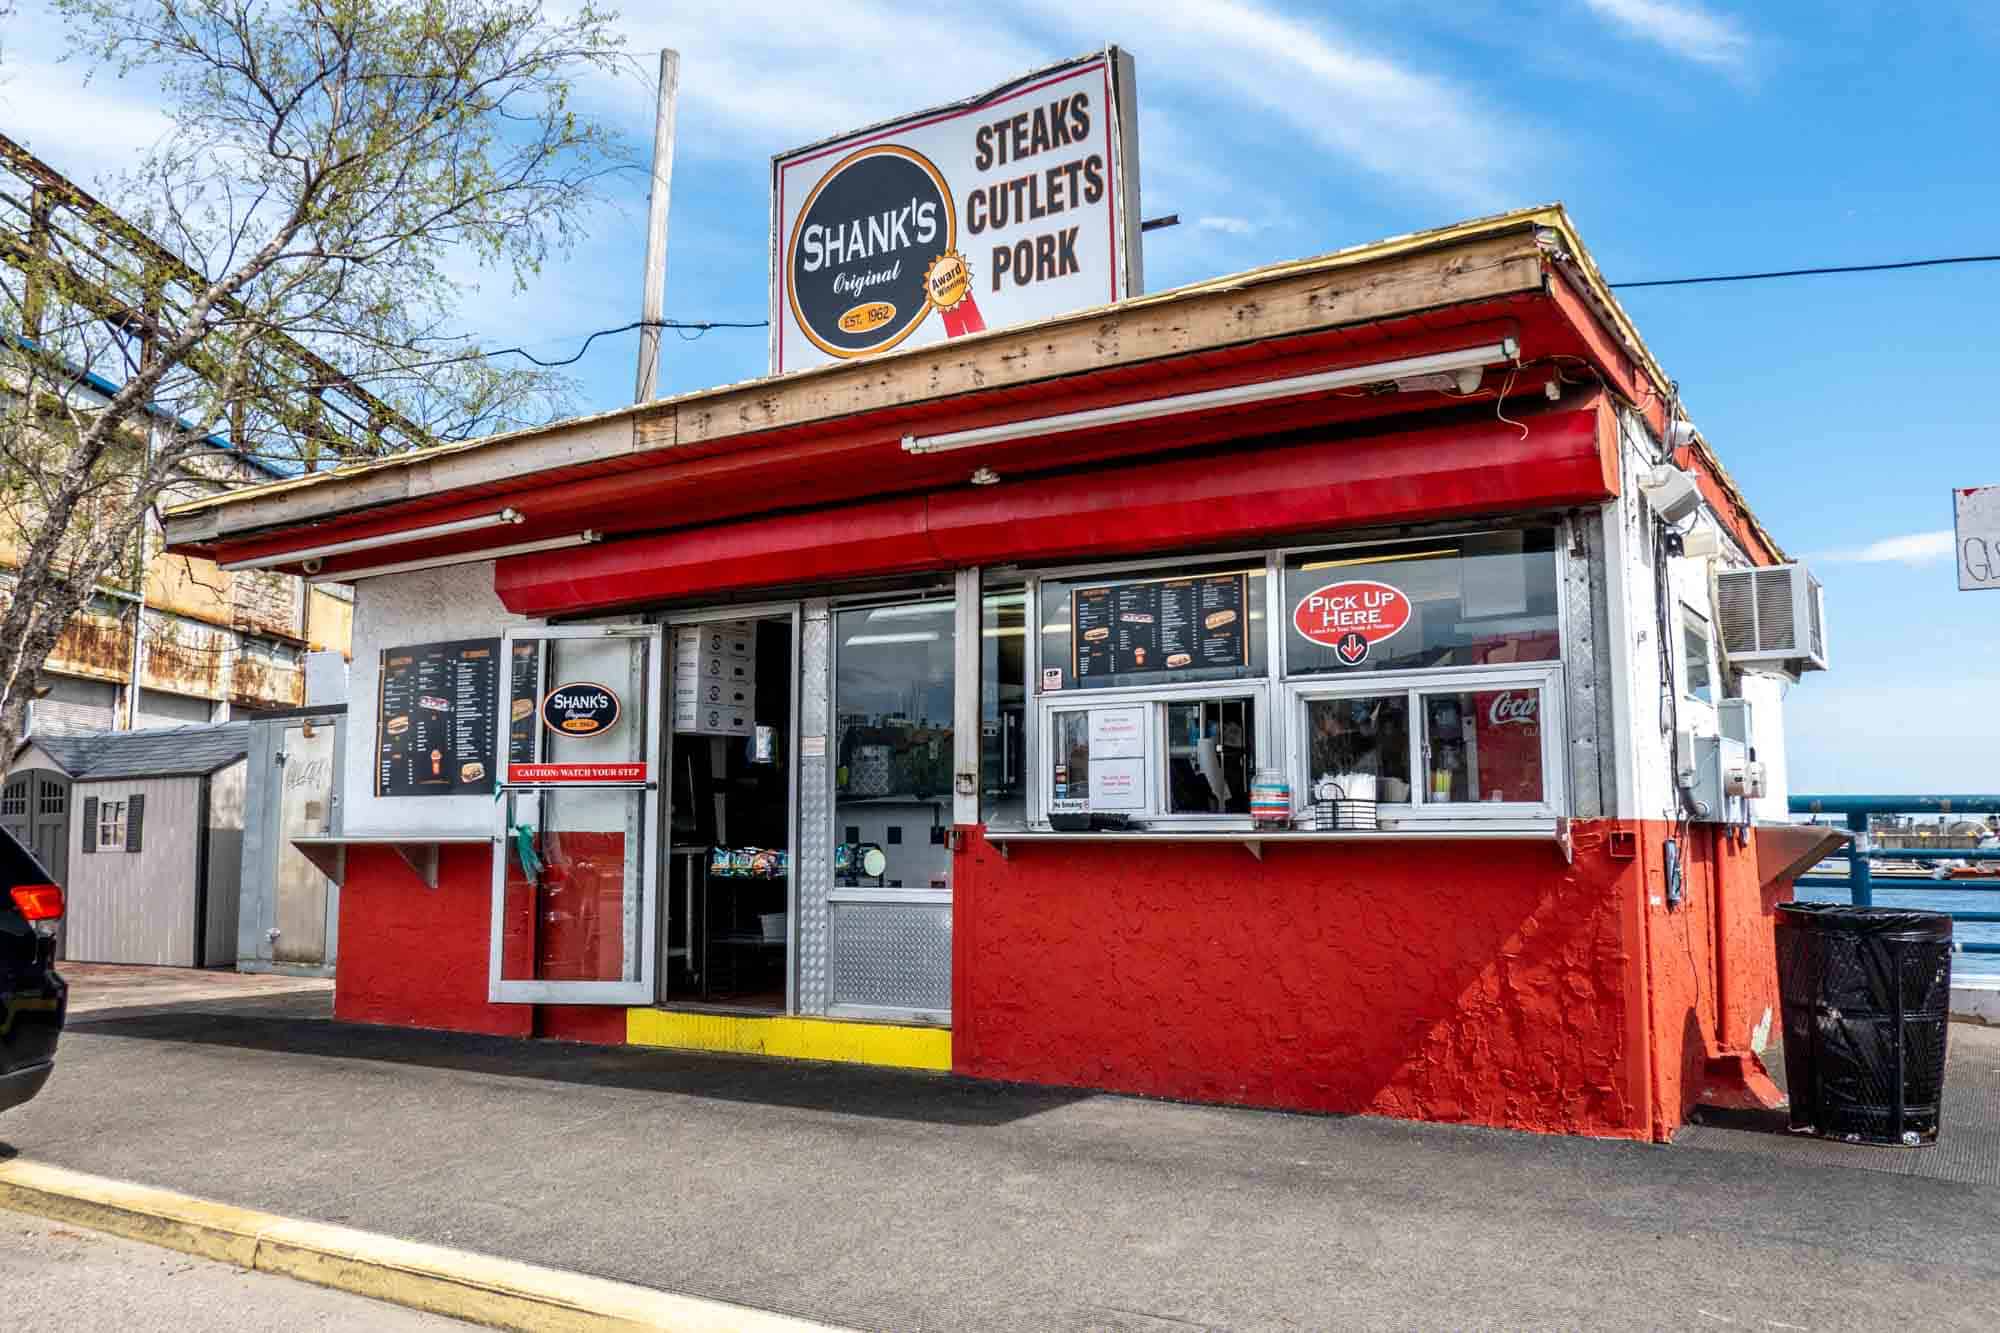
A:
(1350, 617)
(1510, 709)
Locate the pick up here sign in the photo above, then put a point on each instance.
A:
(1016, 205)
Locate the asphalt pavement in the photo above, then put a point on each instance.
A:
(61, 1277)
(904, 1201)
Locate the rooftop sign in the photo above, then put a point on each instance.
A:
(1016, 205)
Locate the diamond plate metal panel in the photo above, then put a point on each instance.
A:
(814, 869)
(892, 955)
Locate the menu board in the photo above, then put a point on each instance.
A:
(434, 733)
(525, 690)
(1160, 625)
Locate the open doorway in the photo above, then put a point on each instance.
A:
(729, 892)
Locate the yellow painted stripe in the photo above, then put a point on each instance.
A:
(792, 1038)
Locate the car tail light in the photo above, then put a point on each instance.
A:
(38, 902)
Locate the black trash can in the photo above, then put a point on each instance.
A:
(1866, 993)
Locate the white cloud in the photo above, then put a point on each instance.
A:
(1333, 95)
(83, 128)
(1916, 548)
(782, 80)
(1230, 226)
(1683, 28)
(772, 87)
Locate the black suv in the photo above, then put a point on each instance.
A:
(32, 997)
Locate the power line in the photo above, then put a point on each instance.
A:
(684, 327)
(696, 328)
(1814, 272)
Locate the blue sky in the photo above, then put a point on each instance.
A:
(1686, 137)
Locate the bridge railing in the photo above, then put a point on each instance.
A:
(1860, 880)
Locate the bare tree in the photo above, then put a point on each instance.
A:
(276, 281)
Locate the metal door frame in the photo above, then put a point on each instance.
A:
(952, 593)
(792, 612)
(639, 990)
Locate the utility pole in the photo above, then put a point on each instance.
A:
(653, 308)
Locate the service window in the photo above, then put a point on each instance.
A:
(1456, 745)
(1158, 759)
(1211, 756)
(1483, 599)
(1359, 735)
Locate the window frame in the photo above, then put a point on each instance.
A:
(1684, 613)
(1280, 697)
(1280, 618)
(1545, 677)
(1155, 699)
(108, 821)
(1119, 571)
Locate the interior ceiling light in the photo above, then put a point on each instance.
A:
(1471, 360)
(583, 538)
(984, 476)
(406, 536)
(914, 636)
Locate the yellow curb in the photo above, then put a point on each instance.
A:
(497, 1292)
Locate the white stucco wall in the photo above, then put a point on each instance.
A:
(1645, 751)
(429, 606)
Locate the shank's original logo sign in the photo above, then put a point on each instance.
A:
(1351, 617)
(1012, 206)
(582, 709)
(873, 253)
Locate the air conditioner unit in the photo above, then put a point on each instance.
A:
(1774, 616)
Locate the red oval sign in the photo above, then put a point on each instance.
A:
(1373, 610)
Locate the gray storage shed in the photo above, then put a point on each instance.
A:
(154, 843)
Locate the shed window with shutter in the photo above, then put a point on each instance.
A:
(110, 827)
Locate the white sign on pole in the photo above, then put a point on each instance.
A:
(1013, 206)
(1976, 523)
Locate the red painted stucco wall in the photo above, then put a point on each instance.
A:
(1484, 982)
(1713, 971)
(412, 956)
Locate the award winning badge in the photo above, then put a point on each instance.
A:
(948, 286)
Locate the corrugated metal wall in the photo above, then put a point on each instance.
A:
(136, 907)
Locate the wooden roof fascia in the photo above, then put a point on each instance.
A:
(1282, 300)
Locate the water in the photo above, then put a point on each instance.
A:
(1924, 896)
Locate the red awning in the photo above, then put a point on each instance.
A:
(1558, 457)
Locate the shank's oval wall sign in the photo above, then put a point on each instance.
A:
(583, 708)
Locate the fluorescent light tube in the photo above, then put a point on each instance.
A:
(379, 540)
(912, 611)
(914, 636)
(1238, 395)
(1377, 559)
(583, 538)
